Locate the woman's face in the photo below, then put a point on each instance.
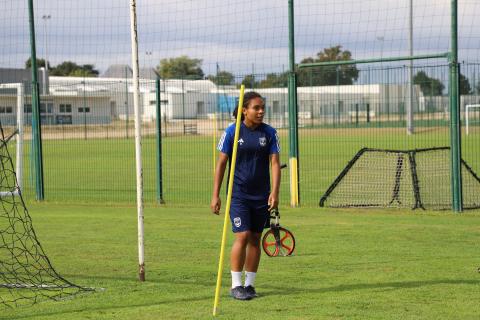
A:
(254, 112)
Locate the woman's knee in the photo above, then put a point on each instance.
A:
(242, 238)
(254, 239)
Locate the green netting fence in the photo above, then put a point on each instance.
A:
(202, 51)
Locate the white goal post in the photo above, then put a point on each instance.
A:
(19, 135)
(467, 109)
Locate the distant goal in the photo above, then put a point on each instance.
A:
(418, 178)
(470, 117)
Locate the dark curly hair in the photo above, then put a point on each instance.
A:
(247, 97)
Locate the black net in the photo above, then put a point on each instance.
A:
(417, 178)
(26, 274)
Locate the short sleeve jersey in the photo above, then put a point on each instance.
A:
(252, 167)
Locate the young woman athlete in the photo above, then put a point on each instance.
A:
(252, 196)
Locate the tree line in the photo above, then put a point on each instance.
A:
(184, 67)
(66, 69)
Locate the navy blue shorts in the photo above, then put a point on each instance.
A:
(249, 215)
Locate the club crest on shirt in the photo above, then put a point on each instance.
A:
(262, 141)
(237, 222)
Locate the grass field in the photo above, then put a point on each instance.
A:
(348, 264)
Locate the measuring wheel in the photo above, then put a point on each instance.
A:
(278, 241)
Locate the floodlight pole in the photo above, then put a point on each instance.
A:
(138, 143)
(45, 18)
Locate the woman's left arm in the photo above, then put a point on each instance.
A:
(273, 199)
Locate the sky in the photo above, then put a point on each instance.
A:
(241, 37)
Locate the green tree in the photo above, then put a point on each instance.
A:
(40, 63)
(274, 80)
(428, 85)
(249, 81)
(329, 75)
(71, 69)
(464, 85)
(222, 78)
(181, 67)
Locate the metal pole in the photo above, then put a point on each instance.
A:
(20, 124)
(138, 143)
(84, 112)
(217, 107)
(410, 99)
(253, 77)
(443, 55)
(159, 142)
(337, 111)
(455, 134)
(388, 95)
(292, 112)
(183, 105)
(36, 123)
(45, 18)
(126, 102)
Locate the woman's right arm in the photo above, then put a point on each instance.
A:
(216, 203)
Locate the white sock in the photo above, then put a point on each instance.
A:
(250, 278)
(236, 279)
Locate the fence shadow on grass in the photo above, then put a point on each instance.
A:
(79, 309)
(282, 291)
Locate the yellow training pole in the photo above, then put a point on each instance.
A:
(229, 200)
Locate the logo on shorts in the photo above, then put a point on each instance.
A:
(240, 141)
(237, 222)
(262, 141)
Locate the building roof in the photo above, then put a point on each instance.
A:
(16, 75)
(122, 71)
(118, 71)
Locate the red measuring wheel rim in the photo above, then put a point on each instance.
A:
(287, 243)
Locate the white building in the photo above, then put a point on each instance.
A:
(102, 100)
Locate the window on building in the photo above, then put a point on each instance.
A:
(27, 108)
(63, 119)
(46, 108)
(6, 110)
(276, 107)
(200, 107)
(65, 108)
(82, 110)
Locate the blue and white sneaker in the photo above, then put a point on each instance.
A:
(239, 293)
(250, 291)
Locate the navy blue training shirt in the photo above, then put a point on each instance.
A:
(252, 167)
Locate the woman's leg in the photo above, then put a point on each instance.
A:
(253, 251)
(238, 253)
